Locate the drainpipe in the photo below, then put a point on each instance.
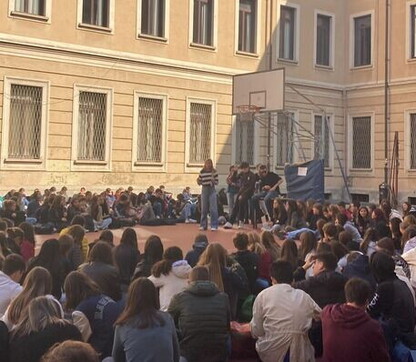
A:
(386, 90)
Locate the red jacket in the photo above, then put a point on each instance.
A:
(349, 334)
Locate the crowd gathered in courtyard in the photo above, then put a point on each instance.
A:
(321, 280)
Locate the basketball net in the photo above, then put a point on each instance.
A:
(247, 112)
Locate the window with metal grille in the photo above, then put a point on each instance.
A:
(412, 136)
(200, 132)
(203, 22)
(149, 137)
(362, 40)
(284, 139)
(361, 142)
(321, 139)
(96, 12)
(360, 198)
(244, 139)
(247, 26)
(287, 33)
(25, 122)
(153, 18)
(413, 31)
(92, 125)
(35, 7)
(323, 40)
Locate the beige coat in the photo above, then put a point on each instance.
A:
(282, 317)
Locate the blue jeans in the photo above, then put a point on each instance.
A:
(188, 211)
(266, 208)
(231, 197)
(209, 203)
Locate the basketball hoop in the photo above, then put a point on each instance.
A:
(247, 108)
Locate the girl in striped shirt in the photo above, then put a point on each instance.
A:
(208, 178)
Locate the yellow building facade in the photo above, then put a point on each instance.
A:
(106, 93)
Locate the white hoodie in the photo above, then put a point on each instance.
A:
(173, 283)
(9, 289)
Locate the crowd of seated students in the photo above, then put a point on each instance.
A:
(332, 275)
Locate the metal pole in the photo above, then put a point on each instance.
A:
(386, 91)
(269, 120)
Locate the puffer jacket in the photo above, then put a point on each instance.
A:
(173, 283)
(202, 316)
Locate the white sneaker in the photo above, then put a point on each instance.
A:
(214, 229)
(190, 221)
(228, 225)
(201, 228)
(240, 224)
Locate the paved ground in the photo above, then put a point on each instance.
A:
(181, 235)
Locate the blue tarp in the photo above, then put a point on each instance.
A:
(306, 181)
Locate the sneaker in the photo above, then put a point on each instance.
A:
(190, 221)
(201, 228)
(228, 225)
(214, 229)
(240, 224)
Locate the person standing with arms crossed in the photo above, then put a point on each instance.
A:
(208, 178)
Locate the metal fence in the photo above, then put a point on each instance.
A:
(361, 142)
(149, 140)
(321, 139)
(92, 124)
(25, 122)
(244, 145)
(200, 132)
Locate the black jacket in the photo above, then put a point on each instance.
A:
(202, 316)
(325, 288)
(250, 263)
(126, 258)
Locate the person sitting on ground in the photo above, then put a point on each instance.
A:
(143, 332)
(153, 253)
(92, 312)
(358, 266)
(12, 271)
(101, 270)
(71, 351)
(349, 333)
(265, 261)
(126, 256)
(202, 316)
(393, 302)
(269, 243)
(342, 219)
(247, 259)
(330, 232)
(282, 317)
(42, 327)
(170, 275)
(199, 246)
(15, 238)
(27, 247)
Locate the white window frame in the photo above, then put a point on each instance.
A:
(331, 40)
(352, 39)
(143, 166)
(408, 48)
(215, 4)
(295, 129)
(258, 29)
(140, 35)
(37, 164)
(296, 37)
(407, 140)
(90, 27)
(256, 145)
(27, 16)
(350, 141)
(196, 167)
(81, 165)
(331, 124)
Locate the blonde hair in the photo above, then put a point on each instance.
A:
(38, 282)
(41, 312)
(215, 259)
(254, 243)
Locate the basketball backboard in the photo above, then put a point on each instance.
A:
(264, 90)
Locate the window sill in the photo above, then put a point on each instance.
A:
(288, 61)
(153, 38)
(360, 170)
(29, 16)
(202, 46)
(22, 161)
(362, 67)
(148, 164)
(246, 54)
(195, 165)
(101, 29)
(89, 162)
(324, 67)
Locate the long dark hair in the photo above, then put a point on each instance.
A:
(164, 266)
(29, 232)
(49, 257)
(79, 287)
(308, 243)
(142, 302)
(153, 249)
(101, 253)
(289, 253)
(129, 237)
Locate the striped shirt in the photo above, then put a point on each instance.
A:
(208, 178)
